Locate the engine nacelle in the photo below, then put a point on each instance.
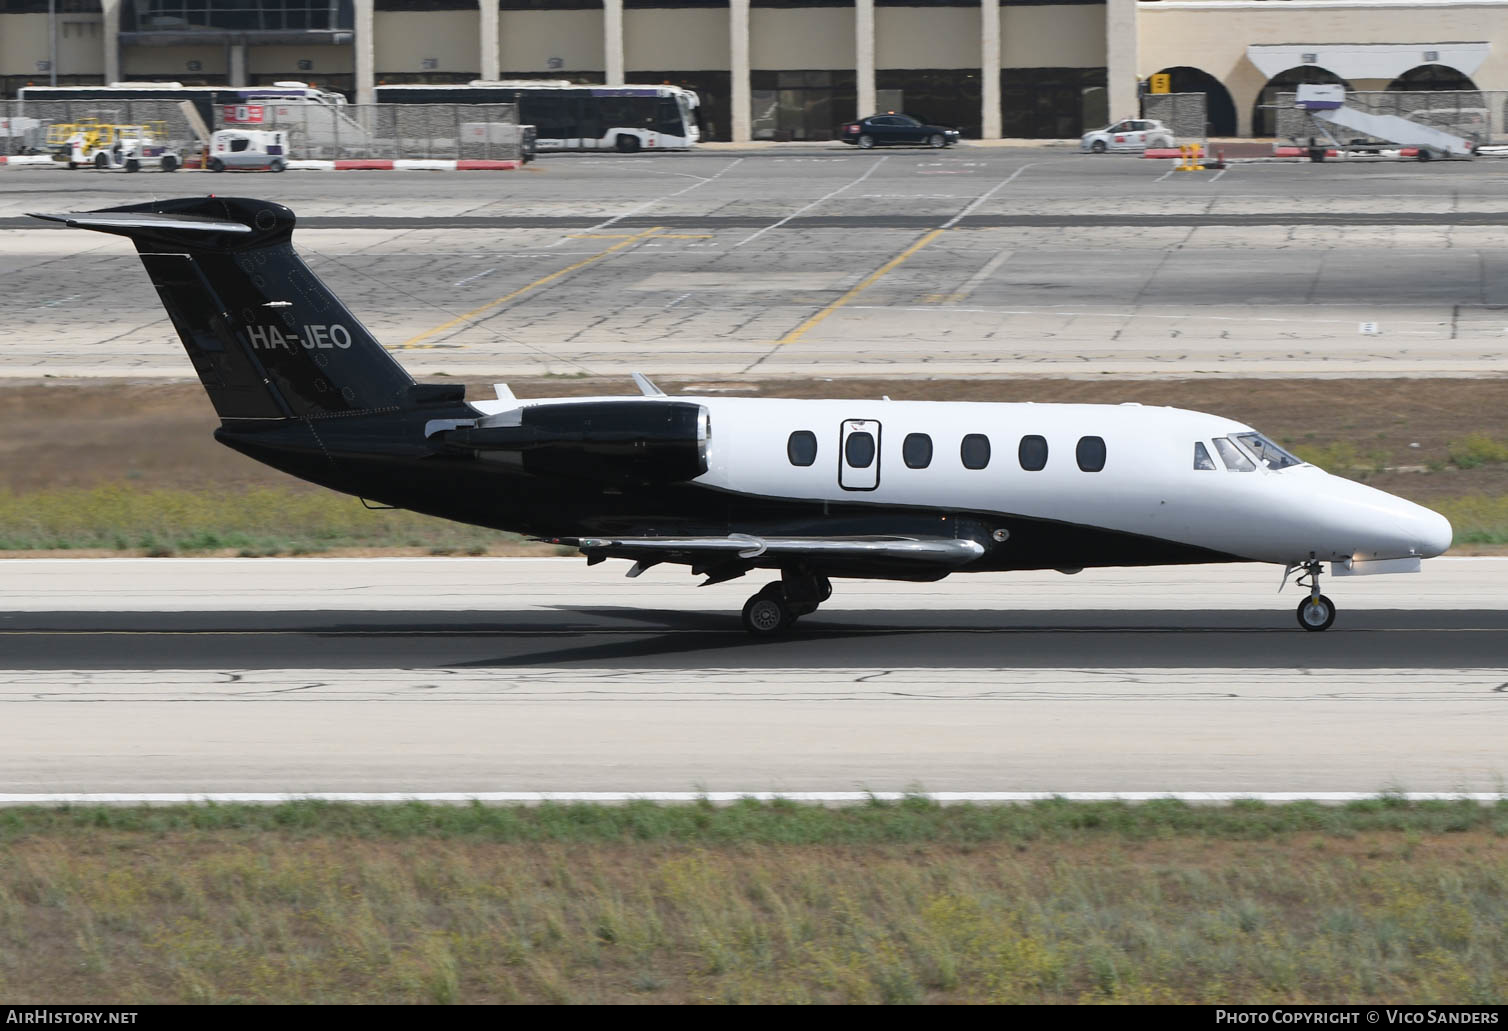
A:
(615, 442)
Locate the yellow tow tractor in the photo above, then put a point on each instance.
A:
(108, 146)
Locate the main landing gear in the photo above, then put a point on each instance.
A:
(781, 602)
(1315, 612)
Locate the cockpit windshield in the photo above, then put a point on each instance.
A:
(1265, 451)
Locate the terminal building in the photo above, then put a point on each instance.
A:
(789, 69)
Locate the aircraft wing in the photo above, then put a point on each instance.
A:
(922, 558)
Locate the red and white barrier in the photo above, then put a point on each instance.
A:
(406, 165)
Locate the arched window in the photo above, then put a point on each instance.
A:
(916, 450)
(1091, 454)
(975, 451)
(801, 448)
(1033, 453)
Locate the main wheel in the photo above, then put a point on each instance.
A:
(1424, 154)
(1316, 612)
(169, 163)
(216, 165)
(277, 164)
(766, 614)
(627, 144)
(1098, 146)
(102, 161)
(866, 142)
(132, 165)
(937, 141)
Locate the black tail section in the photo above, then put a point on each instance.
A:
(267, 338)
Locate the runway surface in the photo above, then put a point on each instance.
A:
(468, 675)
(984, 261)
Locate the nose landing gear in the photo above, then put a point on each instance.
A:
(1315, 612)
(781, 602)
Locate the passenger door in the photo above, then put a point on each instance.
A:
(859, 455)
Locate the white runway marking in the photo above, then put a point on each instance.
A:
(659, 200)
(820, 200)
(950, 223)
(728, 797)
(468, 279)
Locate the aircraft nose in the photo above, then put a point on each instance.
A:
(1427, 532)
(1433, 532)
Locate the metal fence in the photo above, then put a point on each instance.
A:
(447, 131)
(1477, 115)
(1184, 113)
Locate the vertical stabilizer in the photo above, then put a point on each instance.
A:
(266, 336)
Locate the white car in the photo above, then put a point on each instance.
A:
(1131, 134)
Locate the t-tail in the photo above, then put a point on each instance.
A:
(266, 336)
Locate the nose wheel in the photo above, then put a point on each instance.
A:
(1315, 612)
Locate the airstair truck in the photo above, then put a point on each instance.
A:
(1326, 104)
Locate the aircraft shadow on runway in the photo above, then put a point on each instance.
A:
(606, 636)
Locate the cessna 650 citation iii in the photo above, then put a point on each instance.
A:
(815, 489)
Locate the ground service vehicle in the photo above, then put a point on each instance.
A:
(814, 489)
(567, 116)
(891, 128)
(247, 148)
(104, 146)
(1131, 134)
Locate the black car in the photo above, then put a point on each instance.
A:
(878, 130)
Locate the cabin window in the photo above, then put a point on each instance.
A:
(1091, 454)
(1202, 459)
(916, 450)
(858, 450)
(1235, 461)
(1033, 453)
(801, 449)
(975, 451)
(1266, 452)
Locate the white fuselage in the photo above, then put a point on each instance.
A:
(1149, 484)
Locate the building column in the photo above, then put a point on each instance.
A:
(1121, 58)
(111, 9)
(236, 65)
(989, 69)
(738, 53)
(366, 53)
(612, 40)
(491, 66)
(863, 23)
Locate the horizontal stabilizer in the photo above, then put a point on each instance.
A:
(108, 221)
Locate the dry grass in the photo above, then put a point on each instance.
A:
(1107, 904)
(120, 518)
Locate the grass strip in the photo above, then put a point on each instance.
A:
(268, 521)
(914, 820)
(908, 902)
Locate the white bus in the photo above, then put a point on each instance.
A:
(567, 116)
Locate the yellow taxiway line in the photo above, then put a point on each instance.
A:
(863, 285)
(417, 341)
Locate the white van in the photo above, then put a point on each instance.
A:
(248, 148)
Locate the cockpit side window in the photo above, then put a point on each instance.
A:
(1265, 451)
(1235, 461)
(1202, 459)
